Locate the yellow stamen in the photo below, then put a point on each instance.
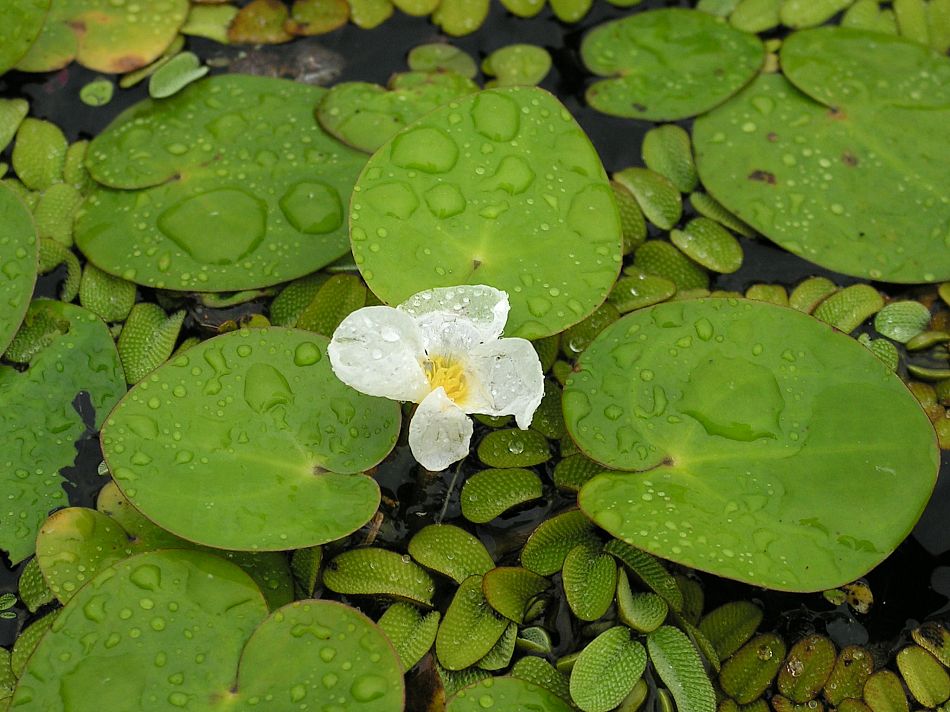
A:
(449, 374)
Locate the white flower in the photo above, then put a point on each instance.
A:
(441, 349)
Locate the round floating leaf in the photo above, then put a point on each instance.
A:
(104, 35)
(470, 627)
(42, 413)
(490, 493)
(253, 429)
(19, 253)
(365, 116)
(833, 174)
(239, 188)
(260, 22)
(506, 693)
(450, 551)
(708, 243)
(926, 678)
(110, 645)
(378, 572)
(177, 73)
(681, 670)
(667, 64)
(517, 65)
(733, 415)
(606, 670)
(884, 692)
(529, 212)
(22, 23)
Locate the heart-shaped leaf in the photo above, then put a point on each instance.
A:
(253, 429)
(112, 647)
(668, 64)
(18, 262)
(238, 188)
(43, 412)
(529, 210)
(748, 431)
(822, 162)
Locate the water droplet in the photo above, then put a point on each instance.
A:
(307, 354)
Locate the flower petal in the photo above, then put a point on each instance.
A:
(481, 308)
(440, 432)
(379, 350)
(507, 380)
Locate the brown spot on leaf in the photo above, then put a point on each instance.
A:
(77, 26)
(476, 264)
(772, 137)
(836, 114)
(849, 159)
(638, 106)
(763, 176)
(127, 63)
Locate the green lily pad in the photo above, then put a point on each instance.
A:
(253, 429)
(111, 645)
(530, 211)
(19, 255)
(41, 419)
(668, 64)
(506, 693)
(22, 23)
(237, 188)
(746, 430)
(365, 116)
(104, 35)
(833, 174)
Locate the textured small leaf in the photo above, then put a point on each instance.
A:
(810, 293)
(513, 448)
(549, 543)
(770, 293)
(662, 259)
(109, 297)
(649, 570)
(638, 289)
(549, 417)
(667, 150)
(578, 337)
(39, 153)
(470, 627)
(378, 572)
(28, 639)
(501, 652)
(336, 299)
(679, 666)
(506, 693)
(807, 668)
(852, 668)
(902, 321)
(709, 244)
(543, 674)
(730, 626)
(924, 676)
(644, 612)
(511, 589)
(260, 22)
(439, 56)
(606, 670)
(517, 65)
(590, 581)
(573, 471)
(451, 551)
(147, 339)
(411, 632)
(54, 212)
(709, 207)
(798, 14)
(32, 587)
(846, 310)
(656, 195)
(633, 223)
(305, 565)
(883, 692)
(931, 636)
(489, 493)
(748, 673)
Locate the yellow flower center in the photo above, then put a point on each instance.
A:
(449, 374)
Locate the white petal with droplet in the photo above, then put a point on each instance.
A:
(506, 380)
(440, 432)
(485, 308)
(379, 351)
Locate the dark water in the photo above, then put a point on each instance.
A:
(912, 585)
